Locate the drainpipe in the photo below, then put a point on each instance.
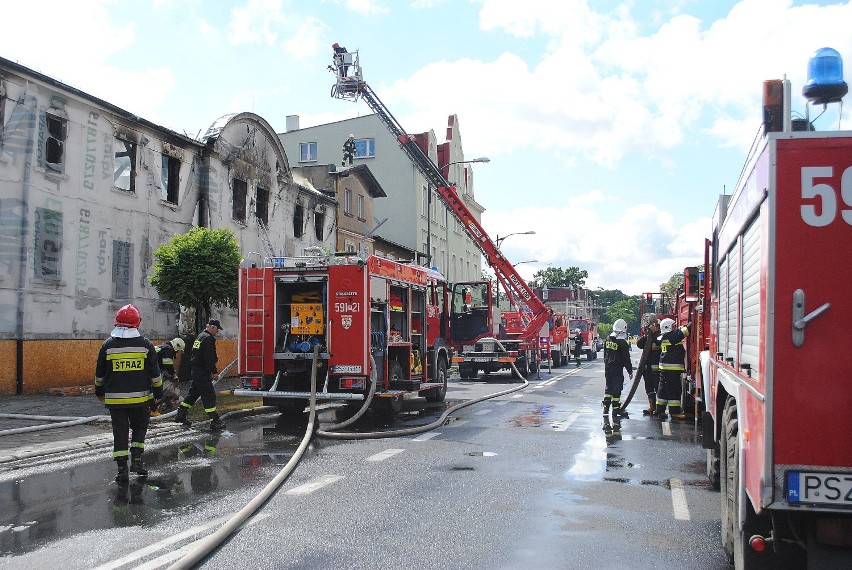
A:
(31, 117)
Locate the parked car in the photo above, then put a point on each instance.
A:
(599, 344)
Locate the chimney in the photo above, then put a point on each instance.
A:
(292, 123)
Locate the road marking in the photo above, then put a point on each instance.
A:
(314, 485)
(483, 412)
(501, 402)
(667, 428)
(549, 382)
(427, 436)
(385, 454)
(681, 509)
(517, 395)
(562, 426)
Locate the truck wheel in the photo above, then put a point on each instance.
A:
(728, 475)
(523, 366)
(467, 372)
(713, 468)
(438, 394)
(563, 360)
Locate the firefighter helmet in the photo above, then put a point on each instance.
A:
(178, 344)
(128, 316)
(577, 331)
(666, 325)
(619, 326)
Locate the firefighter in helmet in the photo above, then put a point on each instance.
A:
(348, 150)
(127, 377)
(166, 353)
(616, 357)
(204, 360)
(651, 372)
(672, 359)
(577, 339)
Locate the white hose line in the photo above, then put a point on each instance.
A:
(363, 410)
(43, 427)
(40, 418)
(207, 545)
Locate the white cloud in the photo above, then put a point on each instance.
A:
(366, 7)
(254, 22)
(304, 43)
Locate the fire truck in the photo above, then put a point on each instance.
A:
(777, 373)
(560, 340)
(689, 309)
(589, 332)
(358, 312)
(480, 344)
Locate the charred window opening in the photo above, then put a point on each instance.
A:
(170, 177)
(124, 174)
(298, 220)
(319, 224)
(261, 205)
(239, 200)
(54, 146)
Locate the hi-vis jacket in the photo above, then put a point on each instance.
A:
(127, 372)
(653, 362)
(617, 355)
(672, 350)
(166, 357)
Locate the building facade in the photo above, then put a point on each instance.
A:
(411, 207)
(88, 191)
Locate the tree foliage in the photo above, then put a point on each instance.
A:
(627, 309)
(558, 277)
(198, 269)
(672, 285)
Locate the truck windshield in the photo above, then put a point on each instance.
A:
(582, 325)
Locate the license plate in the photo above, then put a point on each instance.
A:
(811, 487)
(487, 347)
(481, 359)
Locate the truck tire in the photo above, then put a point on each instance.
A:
(467, 372)
(728, 484)
(523, 366)
(713, 468)
(438, 394)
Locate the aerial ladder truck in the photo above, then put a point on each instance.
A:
(475, 345)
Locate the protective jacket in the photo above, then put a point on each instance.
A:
(578, 343)
(166, 357)
(204, 355)
(349, 148)
(672, 350)
(127, 372)
(652, 364)
(617, 355)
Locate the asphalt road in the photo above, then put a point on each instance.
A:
(532, 479)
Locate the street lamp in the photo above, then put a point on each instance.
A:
(498, 241)
(429, 206)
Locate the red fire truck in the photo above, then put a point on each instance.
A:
(689, 308)
(480, 346)
(589, 332)
(776, 375)
(352, 309)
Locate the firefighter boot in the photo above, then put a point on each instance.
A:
(136, 465)
(605, 404)
(123, 475)
(215, 423)
(617, 412)
(652, 406)
(676, 413)
(180, 417)
(661, 412)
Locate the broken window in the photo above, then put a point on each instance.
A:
(54, 144)
(124, 173)
(308, 152)
(239, 200)
(170, 177)
(319, 225)
(48, 244)
(298, 220)
(261, 205)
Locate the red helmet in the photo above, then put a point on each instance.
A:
(128, 316)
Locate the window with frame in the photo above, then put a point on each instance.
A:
(319, 224)
(124, 171)
(261, 205)
(361, 207)
(308, 152)
(48, 244)
(350, 246)
(298, 220)
(54, 142)
(347, 202)
(365, 148)
(424, 202)
(170, 177)
(238, 200)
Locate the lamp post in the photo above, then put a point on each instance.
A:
(429, 206)
(498, 241)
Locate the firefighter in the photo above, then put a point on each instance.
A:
(672, 358)
(616, 357)
(166, 353)
(577, 339)
(203, 373)
(126, 376)
(651, 373)
(348, 150)
(340, 59)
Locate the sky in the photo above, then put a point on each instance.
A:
(612, 127)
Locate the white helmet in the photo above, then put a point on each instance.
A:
(666, 325)
(178, 344)
(577, 331)
(620, 326)
(351, 136)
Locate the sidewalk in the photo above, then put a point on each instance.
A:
(66, 404)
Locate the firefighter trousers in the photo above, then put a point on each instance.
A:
(127, 420)
(201, 388)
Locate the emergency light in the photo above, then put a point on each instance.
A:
(825, 78)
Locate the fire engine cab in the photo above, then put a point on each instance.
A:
(358, 312)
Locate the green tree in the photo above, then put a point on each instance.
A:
(558, 277)
(627, 309)
(198, 269)
(671, 286)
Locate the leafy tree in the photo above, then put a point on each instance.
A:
(604, 329)
(627, 309)
(558, 277)
(672, 285)
(198, 269)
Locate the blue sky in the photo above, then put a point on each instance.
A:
(612, 127)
